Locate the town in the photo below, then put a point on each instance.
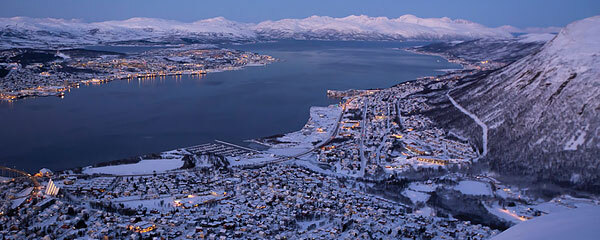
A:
(276, 201)
(380, 164)
(374, 166)
(381, 132)
(31, 72)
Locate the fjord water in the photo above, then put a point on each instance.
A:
(124, 118)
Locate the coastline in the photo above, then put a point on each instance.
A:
(59, 91)
(231, 69)
(260, 140)
(465, 65)
(414, 181)
(269, 147)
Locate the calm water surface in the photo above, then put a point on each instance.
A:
(128, 118)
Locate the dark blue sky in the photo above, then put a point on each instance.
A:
(520, 13)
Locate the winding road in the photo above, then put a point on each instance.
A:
(484, 128)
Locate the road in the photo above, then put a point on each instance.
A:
(363, 159)
(385, 137)
(484, 127)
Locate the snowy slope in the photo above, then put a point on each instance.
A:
(24, 31)
(581, 223)
(529, 30)
(536, 37)
(542, 110)
(503, 51)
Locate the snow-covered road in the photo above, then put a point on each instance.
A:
(363, 159)
(484, 128)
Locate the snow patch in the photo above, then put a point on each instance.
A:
(576, 140)
(415, 196)
(469, 187)
(142, 167)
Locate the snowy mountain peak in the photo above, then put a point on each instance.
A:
(510, 29)
(24, 31)
(578, 39)
(408, 18)
(378, 28)
(364, 18)
(217, 19)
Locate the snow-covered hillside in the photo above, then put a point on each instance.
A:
(580, 223)
(24, 31)
(542, 110)
(501, 51)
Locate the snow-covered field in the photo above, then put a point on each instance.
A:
(250, 160)
(474, 188)
(169, 160)
(415, 196)
(158, 204)
(422, 187)
(142, 167)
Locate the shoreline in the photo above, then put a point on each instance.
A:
(465, 65)
(253, 140)
(59, 91)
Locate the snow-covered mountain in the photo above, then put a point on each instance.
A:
(37, 32)
(542, 110)
(24, 31)
(376, 28)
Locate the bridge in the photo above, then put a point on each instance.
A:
(12, 201)
(16, 174)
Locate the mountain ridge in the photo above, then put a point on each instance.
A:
(26, 31)
(542, 110)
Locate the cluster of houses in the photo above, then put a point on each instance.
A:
(279, 201)
(385, 130)
(47, 73)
